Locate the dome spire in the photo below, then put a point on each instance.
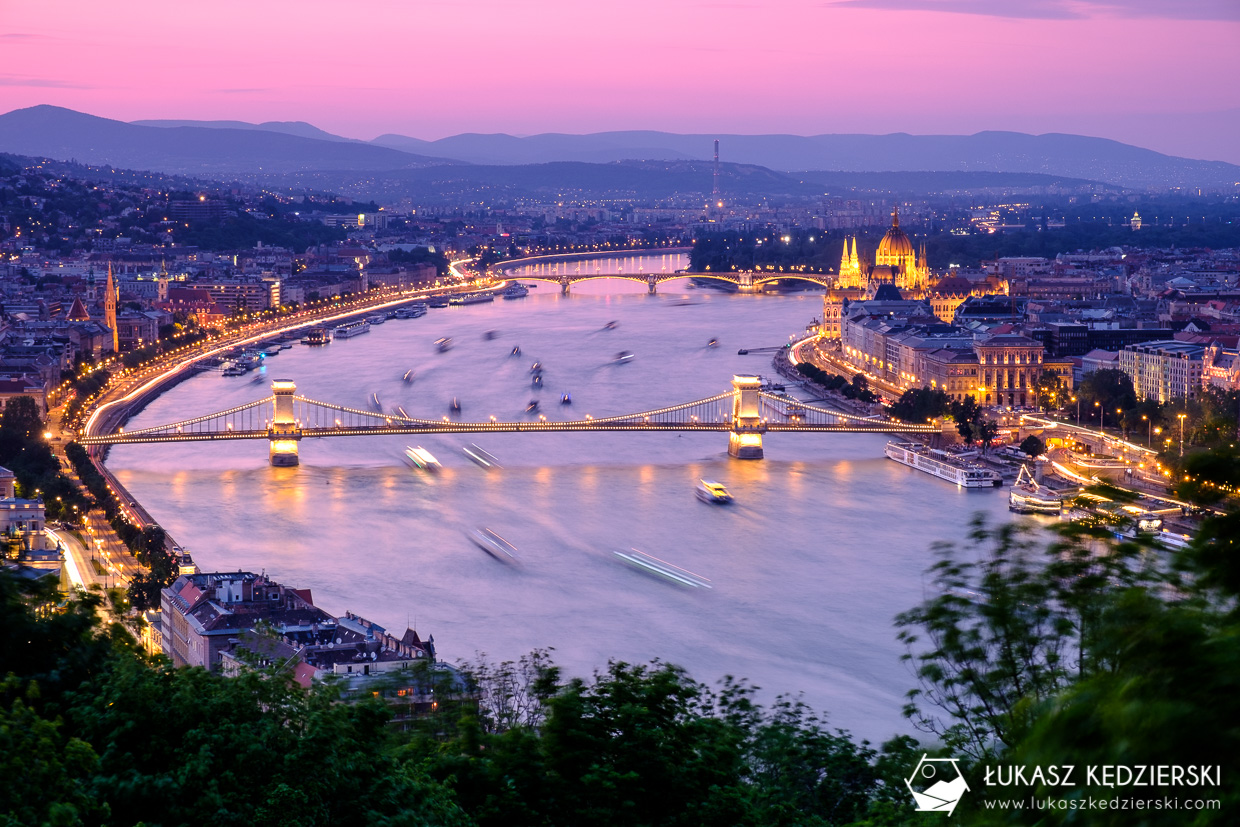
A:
(895, 216)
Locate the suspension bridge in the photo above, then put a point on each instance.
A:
(745, 281)
(745, 413)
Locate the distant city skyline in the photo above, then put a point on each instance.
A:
(1154, 74)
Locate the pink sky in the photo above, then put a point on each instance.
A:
(1157, 73)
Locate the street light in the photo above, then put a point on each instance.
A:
(1098, 405)
(1078, 411)
(1182, 417)
(1149, 438)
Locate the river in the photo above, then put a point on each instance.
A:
(827, 540)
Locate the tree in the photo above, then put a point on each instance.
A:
(920, 404)
(1110, 387)
(1033, 446)
(967, 414)
(987, 430)
(1009, 630)
(1049, 391)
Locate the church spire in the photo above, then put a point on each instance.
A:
(109, 311)
(895, 216)
(853, 261)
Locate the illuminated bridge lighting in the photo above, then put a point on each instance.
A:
(321, 419)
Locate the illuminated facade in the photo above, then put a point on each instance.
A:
(1164, 370)
(109, 311)
(1008, 369)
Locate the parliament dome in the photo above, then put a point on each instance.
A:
(895, 244)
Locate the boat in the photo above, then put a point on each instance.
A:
(566, 399)
(494, 545)
(422, 458)
(516, 351)
(234, 370)
(455, 405)
(412, 311)
(286, 346)
(317, 336)
(273, 350)
(1028, 497)
(713, 343)
(623, 356)
(610, 326)
(516, 290)
(710, 491)
(443, 345)
(471, 298)
(537, 380)
(490, 334)
(943, 465)
(374, 400)
(438, 301)
(536, 367)
(408, 377)
(378, 318)
(532, 407)
(481, 457)
(348, 331)
(650, 564)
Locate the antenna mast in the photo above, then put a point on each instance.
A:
(714, 193)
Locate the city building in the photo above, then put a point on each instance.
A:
(21, 520)
(204, 613)
(1220, 368)
(240, 294)
(1164, 370)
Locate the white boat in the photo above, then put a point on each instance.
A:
(348, 331)
(649, 564)
(481, 457)
(516, 290)
(710, 491)
(472, 298)
(273, 350)
(943, 465)
(422, 458)
(1028, 497)
(378, 318)
(623, 356)
(494, 545)
(412, 311)
(443, 345)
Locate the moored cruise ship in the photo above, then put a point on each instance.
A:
(472, 298)
(317, 336)
(348, 331)
(943, 465)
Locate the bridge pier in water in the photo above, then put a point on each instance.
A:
(745, 439)
(284, 432)
(652, 283)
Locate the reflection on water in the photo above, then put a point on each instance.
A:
(826, 542)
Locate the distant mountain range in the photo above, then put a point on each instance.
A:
(189, 150)
(282, 148)
(1074, 156)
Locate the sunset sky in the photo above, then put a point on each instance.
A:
(1156, 74)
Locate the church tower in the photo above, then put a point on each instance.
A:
(850, 268)
(109, 311)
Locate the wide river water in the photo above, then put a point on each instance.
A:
(826, 542)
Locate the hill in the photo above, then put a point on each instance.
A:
(1074, 156)
(187, 150)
